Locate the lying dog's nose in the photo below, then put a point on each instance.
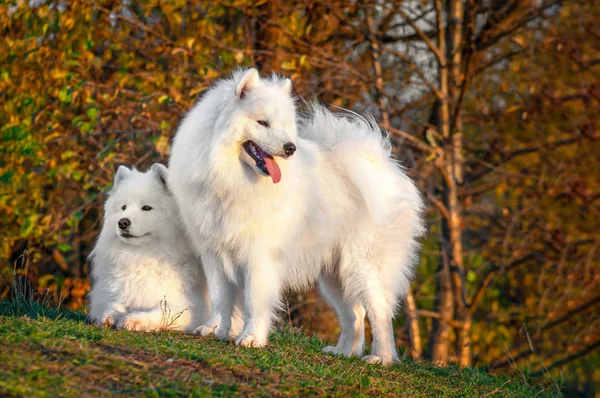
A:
(124, 223)
(289, 149)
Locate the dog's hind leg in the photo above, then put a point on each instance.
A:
(380, 312)
(351, 317)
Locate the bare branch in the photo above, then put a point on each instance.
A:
(436, 315)
(138, 24)
(417, 70)
(417, 143)
(570, 358)
(572, 313)
(375, 53)
(441, 207)
(432, 47)
(492, 272)
(507, 156)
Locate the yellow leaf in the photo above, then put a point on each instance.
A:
(239, 57)
(289, 65)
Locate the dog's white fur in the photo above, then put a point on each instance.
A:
(344, 214)
(153, 280)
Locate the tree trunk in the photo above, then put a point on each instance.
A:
(455, 18)
(412, 325)
(450, 298)
(444, 306)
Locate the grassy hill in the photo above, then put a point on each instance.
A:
(51, 352)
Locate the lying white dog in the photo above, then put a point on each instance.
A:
(271, 210)
(144, 274)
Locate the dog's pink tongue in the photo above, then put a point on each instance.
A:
(273, 169)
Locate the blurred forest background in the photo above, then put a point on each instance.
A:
(492, 105)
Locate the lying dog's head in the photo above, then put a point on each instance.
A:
(140, 209)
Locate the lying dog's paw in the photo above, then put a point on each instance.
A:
(249, 340)
(205, 330)
(112, 319)
(131, 324)
(137, 322)
(113, 315)
(108, 320)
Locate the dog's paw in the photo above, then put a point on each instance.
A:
(131, 323)
(334, 350)
(113, 315)
(249, 340)
(139, 322)
(108, 320)
(379, 360)
(345, 351)
(205, 330)
(223, 335)
(373, 359)
(112, 319)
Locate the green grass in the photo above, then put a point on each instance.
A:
(47, 352)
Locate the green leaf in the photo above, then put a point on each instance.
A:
(93, 113)
(66, 155)
(65, 95)
(63, 247)
(6, 176)
(28, 225)
(471, 276)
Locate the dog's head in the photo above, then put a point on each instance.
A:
(264, 118)
(140, 209)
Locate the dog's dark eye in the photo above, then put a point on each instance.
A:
(146, 208)
(124, 207)
(263, 123)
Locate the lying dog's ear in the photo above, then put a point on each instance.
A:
(122, 173)
(247, 82)
(160, 172)
(287, 86)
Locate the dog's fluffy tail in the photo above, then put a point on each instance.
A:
(329, 129)
(365, 152)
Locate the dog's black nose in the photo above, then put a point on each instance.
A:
(289, 149)
(124, 223)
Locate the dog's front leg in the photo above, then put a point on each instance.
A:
(221, 292)
(261, 296)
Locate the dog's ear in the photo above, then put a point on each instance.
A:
(160, 172)
(122, 173)
(287, 86)
(247, 82)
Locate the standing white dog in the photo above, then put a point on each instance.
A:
(270, 211)
(144, 274)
